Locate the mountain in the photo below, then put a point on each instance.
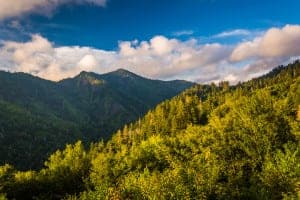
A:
(120, 96)
(209, 142)
(39, 116)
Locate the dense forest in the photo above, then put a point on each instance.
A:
(38, 116)
(209, 142)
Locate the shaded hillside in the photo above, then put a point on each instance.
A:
(118, 97)
(39, 116)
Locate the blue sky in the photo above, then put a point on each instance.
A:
(110, 34)
(103, 27)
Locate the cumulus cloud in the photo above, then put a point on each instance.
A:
(30, 56)
(87, 63)
(167, 58)
(9, 8)
(158, 58)
(275, 43)
(39, 57)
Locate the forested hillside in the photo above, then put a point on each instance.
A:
(209, 142)
(38, 116)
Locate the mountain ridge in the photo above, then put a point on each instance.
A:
(118, 72)
(88, 106)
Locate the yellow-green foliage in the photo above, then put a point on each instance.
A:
(209, 142)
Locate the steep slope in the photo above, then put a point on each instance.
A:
(119, 96)
(38, 116)
(30, 120)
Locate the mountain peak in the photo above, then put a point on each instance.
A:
(85, 73)
(123, 72)
(89, 78)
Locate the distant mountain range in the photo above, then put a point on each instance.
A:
(38, 116)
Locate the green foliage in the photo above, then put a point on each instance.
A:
(46, 115)
(281, 172)
(3, 197)
(65, 173)
(238, 142)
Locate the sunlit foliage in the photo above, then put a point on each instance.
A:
(210, 142)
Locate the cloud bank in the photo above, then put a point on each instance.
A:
(158, 58)
(14, 8)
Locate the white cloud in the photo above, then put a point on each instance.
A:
(39, 57)
(236, 32)
(275, 43)
(162, 45)
(167, 58)
(88, 63)
(158, 58)
(231, 78)
(30, 56)
(14, 8)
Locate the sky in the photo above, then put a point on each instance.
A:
(196, 40)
